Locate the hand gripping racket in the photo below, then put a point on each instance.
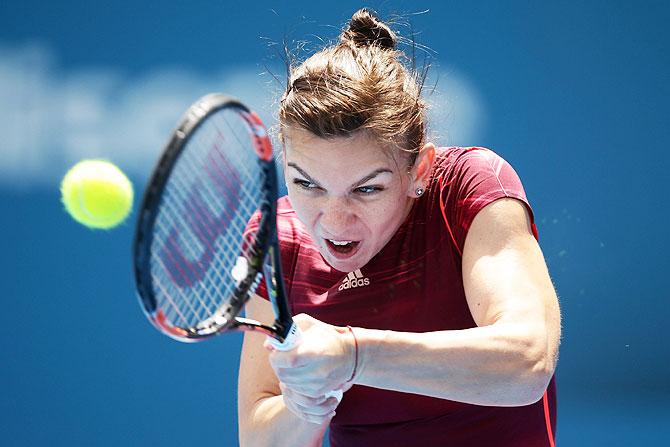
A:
(206, 232)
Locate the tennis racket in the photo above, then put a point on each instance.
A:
(206, 232)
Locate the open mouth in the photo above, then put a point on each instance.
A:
(342, 247)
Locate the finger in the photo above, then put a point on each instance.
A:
(328, 406)
(306, 390)
(302, 378)
(309, 401)
(285, 359)
(315, 406)
(320, 411)
(299, 398)
(310, 388)
(297, 376)
(305, 320)
(317, 415)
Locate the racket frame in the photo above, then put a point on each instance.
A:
(265, 260)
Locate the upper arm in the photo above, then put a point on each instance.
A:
(256, 378)
(505, 276)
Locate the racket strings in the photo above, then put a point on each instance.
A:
(201, 309)
(203, 224)
(227, 187)
(186, 301)
(206, 308)
(184, 270)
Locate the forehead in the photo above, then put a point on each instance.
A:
(358, 152)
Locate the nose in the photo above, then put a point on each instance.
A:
(337, 216)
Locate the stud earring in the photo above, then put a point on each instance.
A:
(419, 191)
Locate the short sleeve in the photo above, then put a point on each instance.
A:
(471, 179)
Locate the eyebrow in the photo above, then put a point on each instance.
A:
(370, 176)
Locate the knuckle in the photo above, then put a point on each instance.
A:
(323, 389)
(292, 360)
(316, 400)
(311, 392)
(283, 359)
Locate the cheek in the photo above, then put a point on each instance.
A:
(383, 217)
(303, 206)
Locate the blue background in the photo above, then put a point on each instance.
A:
(573, 94)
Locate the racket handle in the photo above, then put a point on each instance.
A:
(292, 340)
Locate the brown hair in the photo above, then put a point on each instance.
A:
(359, 83)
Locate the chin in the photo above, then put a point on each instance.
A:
(346, 266)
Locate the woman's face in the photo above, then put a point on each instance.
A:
(349, 192)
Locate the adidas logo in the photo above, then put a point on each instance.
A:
(354, 279)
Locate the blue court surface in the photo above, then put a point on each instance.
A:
(615, 421)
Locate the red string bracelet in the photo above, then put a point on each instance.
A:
(353, 374)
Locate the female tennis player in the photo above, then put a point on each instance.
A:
(414, 273)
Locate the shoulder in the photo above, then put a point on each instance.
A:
(456, 161)
(476, 170)
(467, 179)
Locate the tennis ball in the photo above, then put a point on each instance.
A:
(97, 194)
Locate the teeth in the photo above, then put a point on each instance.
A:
(340, 242)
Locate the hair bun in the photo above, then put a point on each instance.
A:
(365, 29)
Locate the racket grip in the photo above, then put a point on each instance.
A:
(292, 340)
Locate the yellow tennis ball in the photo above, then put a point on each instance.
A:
(97, 194)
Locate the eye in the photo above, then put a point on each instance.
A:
(304, 184)
(368, 190)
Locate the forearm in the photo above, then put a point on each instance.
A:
(497, 365)
(270, 423)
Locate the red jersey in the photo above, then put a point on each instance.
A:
(414, 284)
